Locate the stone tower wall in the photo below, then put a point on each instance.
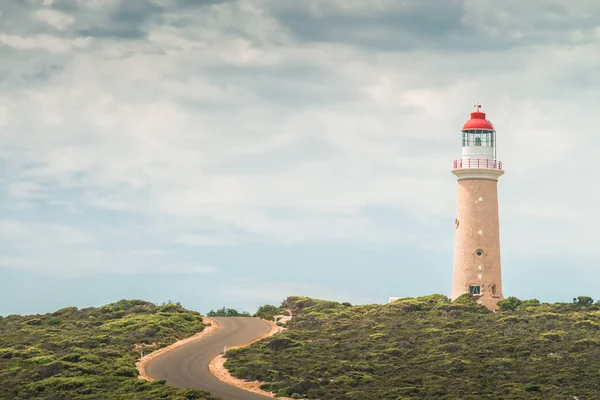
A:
(477, 228)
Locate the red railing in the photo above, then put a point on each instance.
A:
(477, 163)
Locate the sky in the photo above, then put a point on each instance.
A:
(233, 153)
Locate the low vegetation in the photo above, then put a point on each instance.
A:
(269, 312)
(227, 312)
(429, 348)
(91, 353)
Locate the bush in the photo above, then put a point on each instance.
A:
(267, 312)
(126, 371)
(509, 304)
(427, 347)
(49, 370)
(90, 353)
(227, 312)
(583, 301)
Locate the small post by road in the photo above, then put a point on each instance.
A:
(225, 349)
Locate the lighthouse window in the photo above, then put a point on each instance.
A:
(479, 252)
(475, 289)
(478, 137)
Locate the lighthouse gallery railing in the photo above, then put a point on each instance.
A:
(477, 163)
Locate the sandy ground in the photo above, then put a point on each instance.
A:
(141, 364)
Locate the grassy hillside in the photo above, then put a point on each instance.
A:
(429, 348)
(90, 353)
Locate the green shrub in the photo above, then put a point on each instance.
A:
(42, 359)
(509, 304)
(126, 371)
(553, 335)
(268, 312)
(227, 312)
(90, 353)
(71, 357)
(583, 301)
(427, 347)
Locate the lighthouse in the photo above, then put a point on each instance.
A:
(477, 268)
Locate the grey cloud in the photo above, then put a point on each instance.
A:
(130, 19)
(42, 72)
(286, 158)
(181, 5)
(289, 84)
(262, 121)
(396, 27)
(24, 69)
(15, 16)
(441, 24)
(466, 25)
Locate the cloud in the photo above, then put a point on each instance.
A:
(270, 122)
(449, 26)
(26, 190)
(150, 252)
(44, 42)
(201, 240)
(63, 250)
(39, 234)
(40, 246)
(54, 18)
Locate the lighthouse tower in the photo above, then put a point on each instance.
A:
(477, 241)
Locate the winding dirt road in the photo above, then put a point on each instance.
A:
(187, 366)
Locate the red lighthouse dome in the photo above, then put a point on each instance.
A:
(478, 121)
